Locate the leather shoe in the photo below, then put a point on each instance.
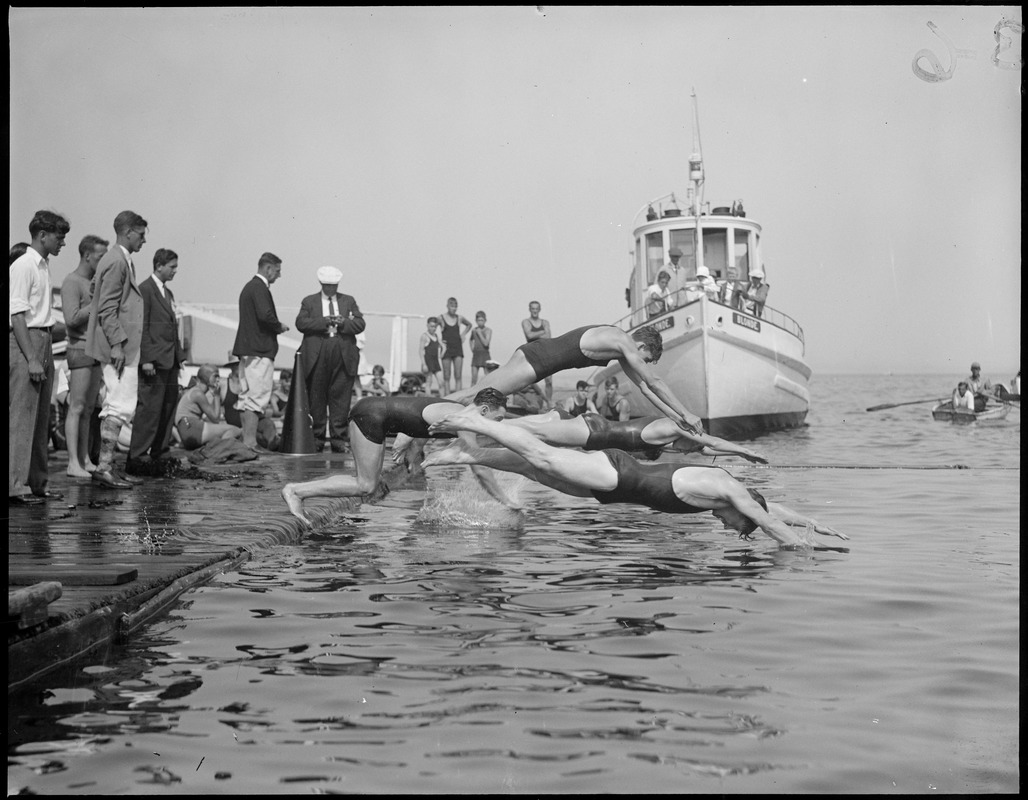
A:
(47, 495)
(130, 479)
(24, 500)
(109, 479)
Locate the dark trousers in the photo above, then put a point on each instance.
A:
(157, 399)
(329, 389)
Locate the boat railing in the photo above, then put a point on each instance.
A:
(767, 314)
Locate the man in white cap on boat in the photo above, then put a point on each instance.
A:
(753, 298)
(329, 322)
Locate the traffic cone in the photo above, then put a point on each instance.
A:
(297, 424)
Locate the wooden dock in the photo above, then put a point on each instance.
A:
(87, 570)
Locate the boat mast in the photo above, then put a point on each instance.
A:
(696, 177)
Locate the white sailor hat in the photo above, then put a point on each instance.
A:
(329, 275)
(702, 271)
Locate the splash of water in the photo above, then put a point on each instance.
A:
(467, 505)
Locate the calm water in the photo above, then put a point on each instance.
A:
(437, 644)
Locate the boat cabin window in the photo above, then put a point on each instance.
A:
(685, 240)
(654, 256)
(715, 251)
(741, 268)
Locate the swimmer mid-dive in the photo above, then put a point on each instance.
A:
(591, 346)
(371, 420)
(648, 435)
(613, 476)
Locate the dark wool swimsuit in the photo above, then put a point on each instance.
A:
(379, 417)
(645, 485)
(548, 356)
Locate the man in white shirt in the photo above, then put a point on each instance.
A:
(30, 361)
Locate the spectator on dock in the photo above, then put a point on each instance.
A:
(113, 338)
(267, 433)
(480, 338)
(198, 414)
(256, 346)
(84, 373)
(453, 345)
(330, 321)
(30, 367)
(160, 355)
(613, 405)
(379, 386)
(536, 329)
(430, 346)
(280, 395)
(579, 403)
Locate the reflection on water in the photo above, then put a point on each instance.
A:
(438, 643)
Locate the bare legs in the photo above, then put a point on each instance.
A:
(512, 377)
(457, 365)
(368, 457)
(83, 386)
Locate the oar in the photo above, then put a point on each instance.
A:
(907, 403)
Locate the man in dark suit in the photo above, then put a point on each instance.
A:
(113, 336)
(330, 322)
(256, 346)
(160, 355)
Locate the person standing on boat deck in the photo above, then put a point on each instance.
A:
(160, 356)
(375, 418)
(481, 337)
(453, 344)
(613, 476)
(30, 366)
(676, 272)
(579, 403)
(330, 322)
(613, 405)
(113, 337)
(256, 346)
(753, 298)
(658, 296)
(593, 346)
(84, 374)
(963, 398)
(705, 284)
(430, 347)
(535, 328)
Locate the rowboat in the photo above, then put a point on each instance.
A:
(944, 412)
(739, 367)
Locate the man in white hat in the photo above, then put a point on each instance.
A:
(329, 322)
(753, 299)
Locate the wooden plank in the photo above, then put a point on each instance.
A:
(101, 575)
(21, 599)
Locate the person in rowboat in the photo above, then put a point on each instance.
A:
(963, 398)
(613, 476)
(591, 346)
(647, 435)
(371, 420)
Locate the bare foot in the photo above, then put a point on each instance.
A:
(454, 454)
(295, 503)
(90, 467)
(457, 421)
(77, 472)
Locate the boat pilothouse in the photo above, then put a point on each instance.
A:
(731, 358)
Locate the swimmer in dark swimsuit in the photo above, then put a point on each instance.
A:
(613, 476)
(371, 420)
(648, 435)
(591, 346)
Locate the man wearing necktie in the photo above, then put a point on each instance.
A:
(160, 355)
(113, 338)
(330, 322)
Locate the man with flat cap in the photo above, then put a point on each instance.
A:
(329, 322)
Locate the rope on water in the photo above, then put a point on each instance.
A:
(875, 466)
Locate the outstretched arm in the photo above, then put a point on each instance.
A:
(790, 517)
(657, 392)
(716, 446)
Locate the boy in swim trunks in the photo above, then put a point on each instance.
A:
(371, 420)
(613, 476)
(591, 346)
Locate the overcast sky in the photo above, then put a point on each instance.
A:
(501, 154)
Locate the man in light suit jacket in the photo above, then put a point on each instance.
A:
(256, 346)
(330, 322)
(113, 337)
(160, 355)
